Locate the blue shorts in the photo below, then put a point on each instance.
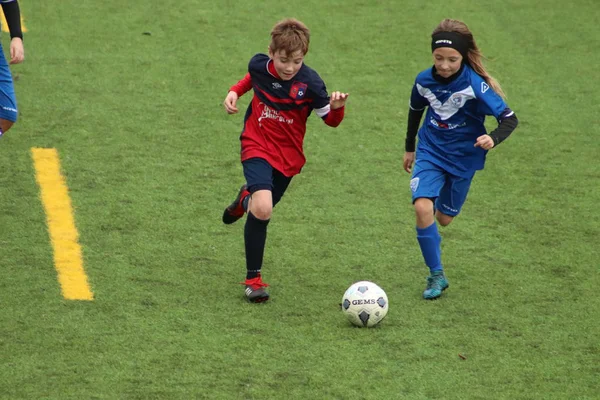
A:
(449, 191)
(8, 100)
(260, 175)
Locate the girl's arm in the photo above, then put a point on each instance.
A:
(412, 128)
(507, 123)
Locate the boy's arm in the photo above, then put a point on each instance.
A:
(334, 117)
(243, 86)
(333, 113)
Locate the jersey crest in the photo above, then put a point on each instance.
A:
(298, 90)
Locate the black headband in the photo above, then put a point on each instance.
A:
(453, 40)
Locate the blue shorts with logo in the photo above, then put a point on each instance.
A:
(8, 100)
(260, 175)
(433, 182)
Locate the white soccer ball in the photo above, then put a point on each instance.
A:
(365, 304)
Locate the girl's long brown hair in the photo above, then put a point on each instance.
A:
(475, 56)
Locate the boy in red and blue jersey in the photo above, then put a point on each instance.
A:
(286, 92)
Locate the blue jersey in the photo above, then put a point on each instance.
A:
(455, 119)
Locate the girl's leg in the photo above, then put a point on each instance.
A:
(427, 234)
(427, 181)
(5, 124)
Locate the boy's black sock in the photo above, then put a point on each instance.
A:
(255, 237)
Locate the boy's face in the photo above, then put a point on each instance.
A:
(447, 61)
(287, 65)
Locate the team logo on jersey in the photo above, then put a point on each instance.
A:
(298, 90)
(456, 100)
(276, 85)
(414, 184)
(484, 87)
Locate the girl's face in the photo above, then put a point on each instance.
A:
(447, 61)
(287, 65)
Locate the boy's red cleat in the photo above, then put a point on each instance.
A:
(255, 292)
(235, 210)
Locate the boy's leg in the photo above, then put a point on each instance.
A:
(280, 185)
(259, 205)
(255, 231)
(426, 183)
(255, 238)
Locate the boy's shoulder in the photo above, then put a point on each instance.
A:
(309, 76)
(258, 61)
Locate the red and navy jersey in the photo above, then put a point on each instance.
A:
(275, 122)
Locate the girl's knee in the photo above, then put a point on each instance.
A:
(423, 206)
(5, 124)
(443, 219)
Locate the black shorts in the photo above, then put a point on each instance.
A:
(260, 175)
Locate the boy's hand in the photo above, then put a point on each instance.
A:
(338, 100)
(409, 159)
(230, 102)
(485, 142)
(17, 53)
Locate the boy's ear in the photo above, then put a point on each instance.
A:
(270, 52)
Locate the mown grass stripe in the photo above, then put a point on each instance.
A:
(61, 225)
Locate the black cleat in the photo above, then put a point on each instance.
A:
(235, 210)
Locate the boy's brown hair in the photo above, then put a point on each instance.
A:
(290, 35)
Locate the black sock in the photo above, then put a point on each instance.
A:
(255, 237)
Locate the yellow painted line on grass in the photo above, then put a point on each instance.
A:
(61, 225)
(5, 24)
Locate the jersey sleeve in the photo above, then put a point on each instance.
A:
(320, 96)
(417, 101)
(258, 64)
(490, 102)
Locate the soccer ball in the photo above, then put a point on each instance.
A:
(365, 304)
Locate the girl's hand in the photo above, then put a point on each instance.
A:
(485, 142)
(230, 102)
(17, 52)
(409, 159)
(338, 100)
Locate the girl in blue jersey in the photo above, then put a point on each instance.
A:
(458, 93)
(8, 102)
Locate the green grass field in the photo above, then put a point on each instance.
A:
(151, 158)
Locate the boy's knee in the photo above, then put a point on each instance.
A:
(262, 213)
(262, 210)
(261, 204)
